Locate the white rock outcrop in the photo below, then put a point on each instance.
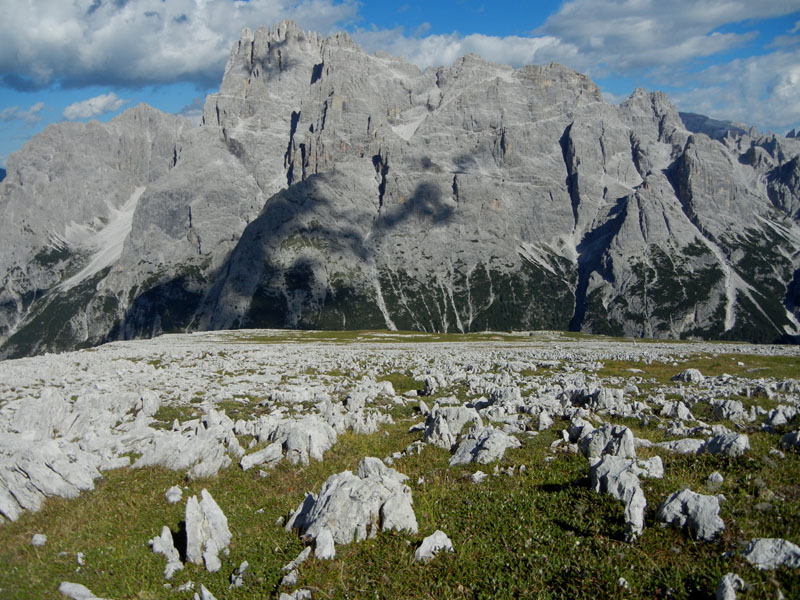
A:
(445, 423)
(619, 477)
(728, 586)
(355, 506)
(207, 532)
(432, 545)
(483, 446)
(698, 512)
(164, 544)
(771, 553)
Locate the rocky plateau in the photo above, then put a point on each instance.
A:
(696, 463)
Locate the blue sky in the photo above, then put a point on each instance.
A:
(83, 59)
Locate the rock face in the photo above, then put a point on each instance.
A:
(329, 188)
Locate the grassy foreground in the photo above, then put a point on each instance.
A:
(540, 533)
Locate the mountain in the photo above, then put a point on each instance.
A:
(329, 188)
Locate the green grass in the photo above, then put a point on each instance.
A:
(754, 367)
(540, 534)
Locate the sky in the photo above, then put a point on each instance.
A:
(76, 60)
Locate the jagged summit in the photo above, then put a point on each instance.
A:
(327, 187)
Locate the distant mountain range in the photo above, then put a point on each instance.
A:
(330, 188)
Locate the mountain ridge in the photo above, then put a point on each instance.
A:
(330, 188)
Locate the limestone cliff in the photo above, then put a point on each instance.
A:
(330, 188)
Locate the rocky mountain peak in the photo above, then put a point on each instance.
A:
(331, 188)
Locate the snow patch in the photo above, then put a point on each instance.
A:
(106, 245)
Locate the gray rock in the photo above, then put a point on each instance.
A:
(728, 444)
(687, 508)
(202, 451)
(483, 446)
(207, 532)
(781, 415)
(578, 428)
(324, 548)
(619, 477)
(174, 494)
(771, 553)
(305, 438)
(677, 410)
(731, 410)
(545, 421)
(615, 476)
(616, 440)
(204, 594)
(478, 477)
(353, 507)
(689, 376)
(164, 544)
(715, 480)
(270, 455)
(237, 577)
(683, 446)
(299, 560)
(432, 545)
(608, 400)
(728, 586)
(76, 591)
(444, 424)
(38, 539)
(290, 579)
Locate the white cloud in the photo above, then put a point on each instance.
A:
(138, 42)
(625, 36)
(94, 106)
(29, 116)
(761, 89)
(437, 50)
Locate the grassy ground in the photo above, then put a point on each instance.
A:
(541, 533)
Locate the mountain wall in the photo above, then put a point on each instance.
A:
(329, 188)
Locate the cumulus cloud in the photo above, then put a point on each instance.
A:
(94, 107)
(140, 42)
(760, 89)
(626, 36)
(437, 50)
(15, 113)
